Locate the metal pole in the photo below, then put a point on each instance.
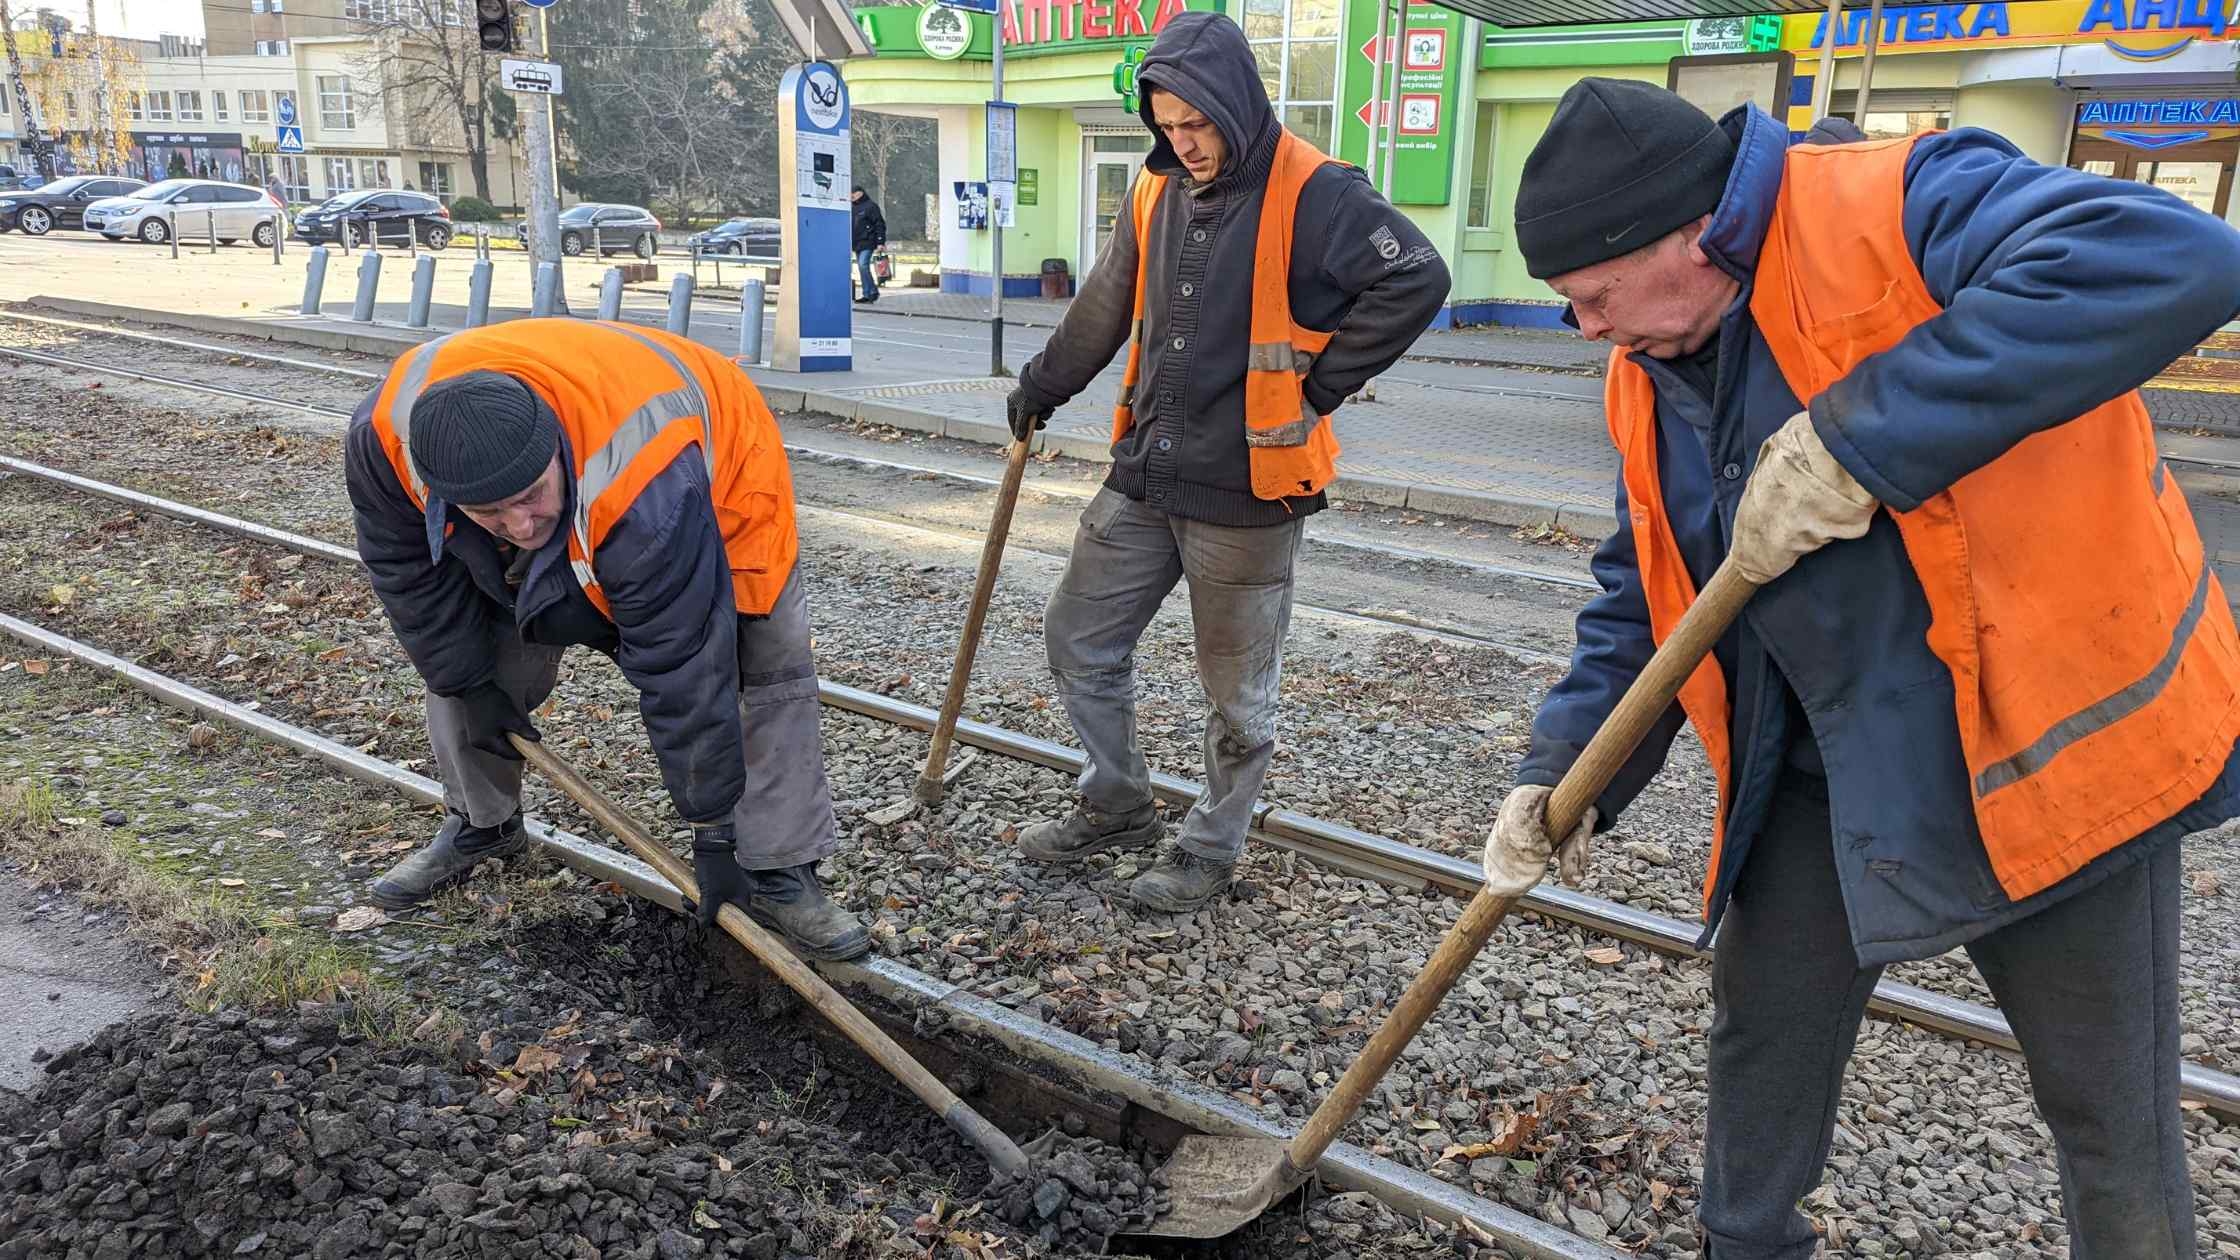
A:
(544, 201)
(279, 233)
(610, 294)
(210, 221)
(1391, 119)
(750, 321)
(369, 282)
(995, 261)
(680, 305)
(314, 280)
(1866, 64)
(1376, 89)
(423, 291)
(478, 293)
(171, 217)
(1824, 80)
(544, 293)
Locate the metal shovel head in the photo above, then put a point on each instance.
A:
(1216, 1184)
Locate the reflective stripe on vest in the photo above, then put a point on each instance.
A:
(1292, 449)
(421, 360)
(603, 467)
(2095, 664)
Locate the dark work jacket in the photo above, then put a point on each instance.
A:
(1358, 267)
(2062, 291)
(867, 227)
(442, 580)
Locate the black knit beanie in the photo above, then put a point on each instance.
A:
(1621, 164)
(481, 437)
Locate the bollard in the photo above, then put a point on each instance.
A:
(210, 219)
(750, 321)
(680, 306)
(279, 233)
(314, 280)
(545, 294)
(610, 294)
(369, 281)
(598, 247)
(173, 217)
(478, 293)
(423, 291)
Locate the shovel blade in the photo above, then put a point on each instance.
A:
(1215, 1185)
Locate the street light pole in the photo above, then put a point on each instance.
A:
(995, 262)
(544, 196)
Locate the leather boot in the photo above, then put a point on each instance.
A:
(1086, 831)
(457, 849)
(1182, 883)
(791, 902)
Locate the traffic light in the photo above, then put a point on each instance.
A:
(494, 19)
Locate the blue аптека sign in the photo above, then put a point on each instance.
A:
(2215, 111)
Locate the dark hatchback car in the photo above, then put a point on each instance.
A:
(62, 203)
(386, 216)
(756, 237)
(612, 229)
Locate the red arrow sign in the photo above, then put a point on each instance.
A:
(1383, 113)
(1368, 48)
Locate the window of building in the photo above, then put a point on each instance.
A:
(341, 176)
(255, 106)
(336, 111)
(272, 48)
(1295, 45)
(435, 177)
(190, 107)
(159, 107)
(1481, 167)
(218, 106)
(373, 173)
(70, 105)
(133, 106)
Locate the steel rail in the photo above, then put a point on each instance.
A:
(1326, 843)
(1407, 1190)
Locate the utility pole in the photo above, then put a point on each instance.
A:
(544, 167)
(41, 153)
(995, 261)
(97, 130)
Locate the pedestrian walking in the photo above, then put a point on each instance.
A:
(868, 231)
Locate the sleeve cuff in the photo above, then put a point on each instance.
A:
(1828, 424)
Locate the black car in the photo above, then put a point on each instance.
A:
(614, 229)
(387, 216)
(757, 237)
(60, 204)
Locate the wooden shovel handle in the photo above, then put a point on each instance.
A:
(1645, 701)
(1000, 1150)
(928, 788)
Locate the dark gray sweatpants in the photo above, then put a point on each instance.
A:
(2090, 985)
(784, 818)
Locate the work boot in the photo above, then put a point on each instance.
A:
(1182, 883)
(1086, 831)
(448, 859)
(791, 902)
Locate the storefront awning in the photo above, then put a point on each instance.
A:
(1523, 14)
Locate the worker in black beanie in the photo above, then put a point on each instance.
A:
(1985, 682)
(538, 484)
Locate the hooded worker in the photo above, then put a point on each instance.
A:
(1988, 679)
(1265, 283)
(542, 483)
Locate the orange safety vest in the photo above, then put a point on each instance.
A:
(1292, 448)
(630, 400)
(2095, 665)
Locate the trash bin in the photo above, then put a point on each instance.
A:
(1057, 282)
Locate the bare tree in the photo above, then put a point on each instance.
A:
(427, 69)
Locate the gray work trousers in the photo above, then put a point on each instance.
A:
(2090, 985)
(1126, 557)
(784, 818)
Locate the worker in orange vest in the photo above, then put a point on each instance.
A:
(1989, 678)
(1222, 443)
(540, 483)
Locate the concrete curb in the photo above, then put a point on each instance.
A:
(1445, 501)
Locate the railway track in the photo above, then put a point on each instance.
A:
(1330, 844)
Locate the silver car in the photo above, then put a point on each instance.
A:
(199, 207)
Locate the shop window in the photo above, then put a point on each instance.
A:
(1481, 166)
(1263, 19)
(340, 177)
(373, 173)
(1311, 122)
(1269, 55)
(435, 177)
(1314, 19)
(295, 174)
(1314, 72)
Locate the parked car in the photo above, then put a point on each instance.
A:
(389, 216)
(198, 205)
(758, 237)
(60, 204)
(616, 229)
(14, 180)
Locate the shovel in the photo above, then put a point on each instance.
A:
(1003, 1155)
(1219, 1184)
(930, 785)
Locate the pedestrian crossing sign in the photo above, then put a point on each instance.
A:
(291, 140)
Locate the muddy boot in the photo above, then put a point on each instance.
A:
(447, 860)
(791, 902)
(1182, 883)
(1087, 831)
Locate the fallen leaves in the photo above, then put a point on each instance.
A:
(360, 919)
(36, 668)
(2205, 883)
(1608, 955)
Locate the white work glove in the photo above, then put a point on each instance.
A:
(1517, 852)
(1799, 500)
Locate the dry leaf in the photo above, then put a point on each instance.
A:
(1608, 955)
(535, 1059)
(723, 1164)
(2205, 883)
(61, 596)
(359, 919)
(331, 655)
(1658, 1192)
(428, 1027)
(233, 883)
(1514, 1133)
(716, 1089)
(273, 833)
(35, 668)
(1470, 1152)
(701, 1218)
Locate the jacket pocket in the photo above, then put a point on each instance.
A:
(1870, 330)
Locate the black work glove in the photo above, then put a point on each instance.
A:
(715, 868)
(491, 716)
(1024, 415)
